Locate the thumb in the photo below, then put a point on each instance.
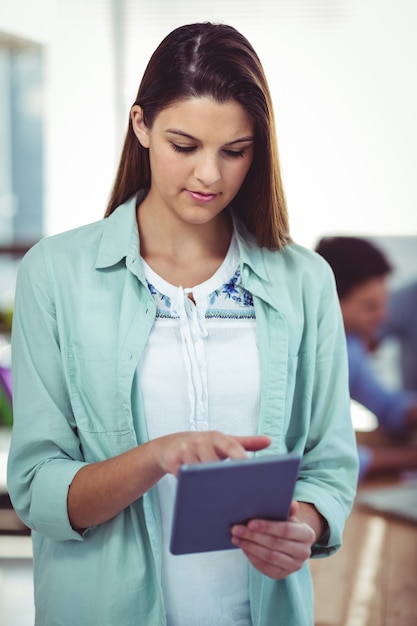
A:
(293, 511)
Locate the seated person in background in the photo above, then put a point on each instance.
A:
(401, 323)
(361, 271)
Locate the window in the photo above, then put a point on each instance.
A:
(21, 141)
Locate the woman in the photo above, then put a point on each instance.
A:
(184, 327)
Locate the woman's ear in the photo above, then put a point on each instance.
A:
(139, 127)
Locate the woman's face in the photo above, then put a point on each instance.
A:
(200, 152)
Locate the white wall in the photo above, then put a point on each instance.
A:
(342, 74)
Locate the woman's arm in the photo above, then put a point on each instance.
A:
(102, 490)
(53, 489)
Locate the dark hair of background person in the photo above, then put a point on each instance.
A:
(215, 61)
(353, 260)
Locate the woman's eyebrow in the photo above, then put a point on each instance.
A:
(174, 131)
(241, 140)
(181, 133)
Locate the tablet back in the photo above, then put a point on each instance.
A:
(211, 497)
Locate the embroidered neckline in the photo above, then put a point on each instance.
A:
(231, 300)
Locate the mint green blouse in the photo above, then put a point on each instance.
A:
(83, 313)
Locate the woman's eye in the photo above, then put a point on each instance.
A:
(234, 154)
(183, 149)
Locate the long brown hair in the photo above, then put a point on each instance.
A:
(212, 60)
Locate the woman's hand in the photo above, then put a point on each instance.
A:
(172, 451)
(276, 549)
(101, 490)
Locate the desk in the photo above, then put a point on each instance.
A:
(372, 580)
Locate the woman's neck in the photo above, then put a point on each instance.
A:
(181, 253)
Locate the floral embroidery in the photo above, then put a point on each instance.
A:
(234, 290)
(161, 300)
(230, 301)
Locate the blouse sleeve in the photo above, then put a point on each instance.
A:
(45, 451)
(329, 470)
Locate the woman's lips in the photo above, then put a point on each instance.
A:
(199, 196)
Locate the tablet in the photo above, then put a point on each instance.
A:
(211, 497)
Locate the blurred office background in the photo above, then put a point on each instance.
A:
(342, 76)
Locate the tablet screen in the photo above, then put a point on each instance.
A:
(211, 497)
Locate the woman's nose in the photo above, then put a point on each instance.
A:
(207, 170)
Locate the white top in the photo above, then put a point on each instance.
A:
(200, 371)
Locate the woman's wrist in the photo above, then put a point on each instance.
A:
(308, 514)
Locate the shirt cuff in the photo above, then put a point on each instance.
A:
(49, 510)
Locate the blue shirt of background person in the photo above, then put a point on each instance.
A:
(361, 271)
(401, 323)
